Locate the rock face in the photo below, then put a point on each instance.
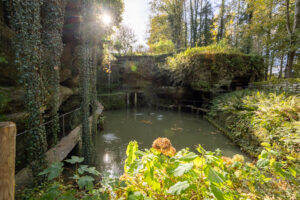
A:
(10, 87)
(132, 72)
(11, 91)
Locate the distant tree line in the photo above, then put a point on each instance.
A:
(270, 28)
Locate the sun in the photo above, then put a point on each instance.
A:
(106, 19)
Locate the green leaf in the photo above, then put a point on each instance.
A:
(264, 144)
(75, 177)
(279, 170)
(149, 177)
(53, 171)
(217, 192)
(212, 175)
(132, 148)
(183, 168)
(293, 172)
(135, 196)
(92, 170)
(189, 157)
(75, 159)
(86, 182)
(178, 188)
(263, 162)
(67, 196)
(52, 193)
(264, 154)
(82, 169)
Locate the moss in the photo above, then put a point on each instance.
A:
(113, 101)
(4, 100)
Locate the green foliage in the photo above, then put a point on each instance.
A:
(162, 47)
(113, 101)
(253, 117)
(3, 60)
(206, 175)
(149, 174)
(74, 160)
(56, 188)
(4, 100)
(53, 171)
(213, 67)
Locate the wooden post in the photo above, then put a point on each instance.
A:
(127, 96)
(135, 99)
(7, 160)
(179, 108)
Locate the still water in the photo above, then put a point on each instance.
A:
(144, 126)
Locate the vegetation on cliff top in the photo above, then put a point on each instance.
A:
(213, 67)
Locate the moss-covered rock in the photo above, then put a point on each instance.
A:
(113, 101)
(214, 71)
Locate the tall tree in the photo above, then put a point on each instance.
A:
(294, 36)
(124, 39)
(194, 13)
(174, 11)
(206, 33)
(221, 29)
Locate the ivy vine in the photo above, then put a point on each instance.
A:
(26, 22)
(53, 21)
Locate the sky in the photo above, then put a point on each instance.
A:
(136, 16)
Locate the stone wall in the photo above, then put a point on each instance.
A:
(287, 85)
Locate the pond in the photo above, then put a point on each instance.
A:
(144, 126)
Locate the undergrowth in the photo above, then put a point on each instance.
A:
(160, 173)
(253, 117)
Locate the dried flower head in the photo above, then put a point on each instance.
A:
(164, 146)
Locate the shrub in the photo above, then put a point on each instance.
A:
(154, 174)
(150, 174)
(252, 117)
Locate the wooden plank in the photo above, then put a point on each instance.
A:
(7, 160)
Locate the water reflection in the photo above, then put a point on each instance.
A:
(110, 137)
(183, 129)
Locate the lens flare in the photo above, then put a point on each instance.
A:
(106, 19)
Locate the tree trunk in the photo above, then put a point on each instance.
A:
(289, 64)
(200, 23)
(237, 23)
(221, 28)
(281, 66)
(271, 65)
(293, 35)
